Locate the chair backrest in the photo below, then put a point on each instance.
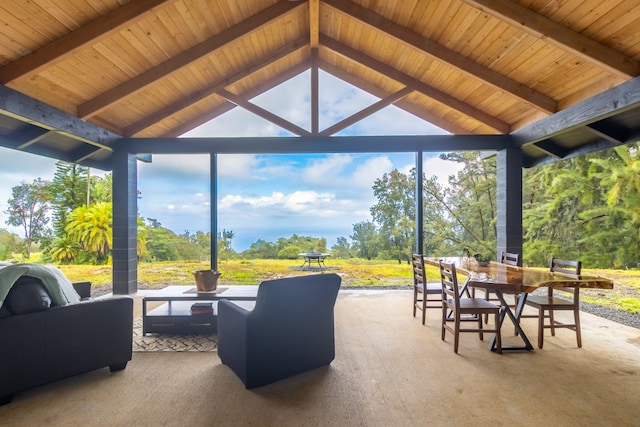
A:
(419, 277)
(565, 267)
(297, 297)
(570, 269)
(509, 258)
(449, 280)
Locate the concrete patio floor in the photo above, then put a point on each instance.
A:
(389, 370)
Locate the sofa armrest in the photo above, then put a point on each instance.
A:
(62, 341)
(89, 335)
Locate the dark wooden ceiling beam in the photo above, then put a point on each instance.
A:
(419, 86)
(30, 110)
(441, 53)
(606, 104)
(319, 144)
(218, 41)
(559, 36)
(223, 108)
(402, 104)
(64, 46)
(366, 112)
(212, 89)
(593, 147)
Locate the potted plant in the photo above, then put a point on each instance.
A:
(483, 259)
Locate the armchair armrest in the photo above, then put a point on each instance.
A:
(232, 336)
(83, 289)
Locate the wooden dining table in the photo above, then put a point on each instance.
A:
(504, 279)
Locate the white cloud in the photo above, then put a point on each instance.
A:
(441, 169)
(366, 173)
(323, 171)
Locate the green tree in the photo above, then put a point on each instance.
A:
(289, 252)
(28, 209)
(341, 249)
(262, 249)
(161, 242)
(365, 239)
(9, 243)
(394, 212)
(68, 191)
(470, 203)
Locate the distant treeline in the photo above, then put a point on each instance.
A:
(585, 208)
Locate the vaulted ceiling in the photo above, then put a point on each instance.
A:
(78, 75)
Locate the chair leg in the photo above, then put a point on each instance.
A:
(480, 327)
(444, 320)
(498, 334)
(424, 307)
(552, 322)
(456, 337)
(576, 316)
(541, 328)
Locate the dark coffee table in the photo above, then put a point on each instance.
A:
(174, 317)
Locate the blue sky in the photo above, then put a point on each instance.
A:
(264, 196)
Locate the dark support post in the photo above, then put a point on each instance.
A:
(419, 204)
(509, 201)
(125, 223)
(213, 191)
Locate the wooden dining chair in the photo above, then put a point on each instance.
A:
(451, 301)
(550, 303)
(507, 258)
(425, 295)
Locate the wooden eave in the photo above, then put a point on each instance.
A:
(80, 78)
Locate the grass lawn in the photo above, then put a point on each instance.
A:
(355, 273)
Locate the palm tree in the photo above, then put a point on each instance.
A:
(91, 228)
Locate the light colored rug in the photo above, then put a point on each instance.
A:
(170, 342)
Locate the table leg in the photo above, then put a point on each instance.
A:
(515, 319)
(144, 316)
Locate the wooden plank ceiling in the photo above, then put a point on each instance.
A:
(158, 68)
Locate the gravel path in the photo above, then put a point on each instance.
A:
(618, 316)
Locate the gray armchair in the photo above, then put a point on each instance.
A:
(289, 331)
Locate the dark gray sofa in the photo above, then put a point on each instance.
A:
(289, 331)
(61, 341)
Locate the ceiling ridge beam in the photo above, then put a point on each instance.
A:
(561, 37)
(314, 23)
(216, 42)
(381, 93)
(315, 94)
(419, 86)
(227, 106)
(212, 89)
(366, 112)
(443, 54)
(64, 46)
(265, 114)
